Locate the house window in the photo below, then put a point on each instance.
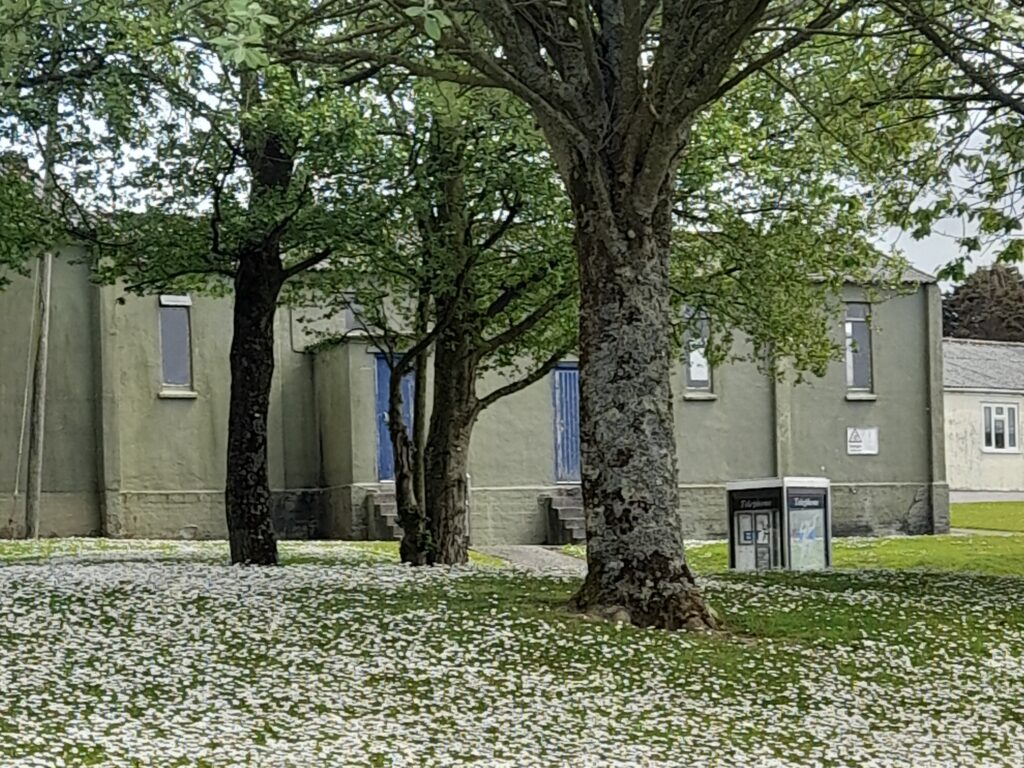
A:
(1000, 425)
(695, 345)
(176, 341)
(858, 347)
(353, 312)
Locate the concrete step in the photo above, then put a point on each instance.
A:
(565, 518)
(570, 513)
(385, 519)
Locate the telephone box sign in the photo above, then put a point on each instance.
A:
(757, 503)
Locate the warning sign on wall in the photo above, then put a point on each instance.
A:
(862, 441)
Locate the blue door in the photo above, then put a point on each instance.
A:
(385, 453)
(567, 423)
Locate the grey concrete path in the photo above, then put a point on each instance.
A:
(538, 559)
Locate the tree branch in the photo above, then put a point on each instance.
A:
(307, 263)
(817, 25)
(159, 280)
(976, 76)
(517, 330)
(532, 378)
(513, 292)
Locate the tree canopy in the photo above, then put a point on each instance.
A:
(972, 81)
(988, 305)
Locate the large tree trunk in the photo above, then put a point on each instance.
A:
(250, 527)
(447, 451)
(635, 550)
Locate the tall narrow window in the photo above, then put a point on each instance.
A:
(176, 341)
(695, 349)
(1000, 422)
(858, 347)
(353, 314)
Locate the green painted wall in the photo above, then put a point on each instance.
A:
(821, 411)
(730, 436)
(121, 456)
(334, 413)
(70, 461)
(124, 459)
(752, 426)
(164, 452)
(514, 440)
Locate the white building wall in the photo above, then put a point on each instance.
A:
(969, 467)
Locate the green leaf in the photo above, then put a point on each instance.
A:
(255, 58)
(432, 28)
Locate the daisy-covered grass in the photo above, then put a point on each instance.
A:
(989, 515)
(157, 654)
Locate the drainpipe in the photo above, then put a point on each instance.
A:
(782, 408)
(37, 426)
(469, 509)
(25, 401)
(938, 491)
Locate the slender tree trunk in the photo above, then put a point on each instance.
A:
(250, 527)
(635, 554)
(416, 547)
(37, 423)
(40, 372)
(452, 418)
(419, 408)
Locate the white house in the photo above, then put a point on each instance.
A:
(983, 383)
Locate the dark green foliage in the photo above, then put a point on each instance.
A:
(988, 305)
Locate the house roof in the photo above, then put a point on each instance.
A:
(983, 365)
(911, 275)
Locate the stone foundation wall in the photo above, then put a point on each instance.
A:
(507, 516)
(888, 510)
(166, 515)
(62, 514)
(857, 510)
(297, 514)
(497, 515)
(515, 516)
(344, 512)
(703, 512)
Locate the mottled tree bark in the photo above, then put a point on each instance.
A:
(416, 547)
(259, 278)
(419, 407)
(446, 456)
(635, 550)
(250, 527)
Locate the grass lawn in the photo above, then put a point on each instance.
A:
(157, 654)
(995, 555)
(989, 515)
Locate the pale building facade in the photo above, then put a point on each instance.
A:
(138, 404)
(984, 386)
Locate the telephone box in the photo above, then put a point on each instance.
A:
(780, 523)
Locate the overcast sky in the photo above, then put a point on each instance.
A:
(931, 253)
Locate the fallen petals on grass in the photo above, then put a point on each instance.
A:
(158, 654)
